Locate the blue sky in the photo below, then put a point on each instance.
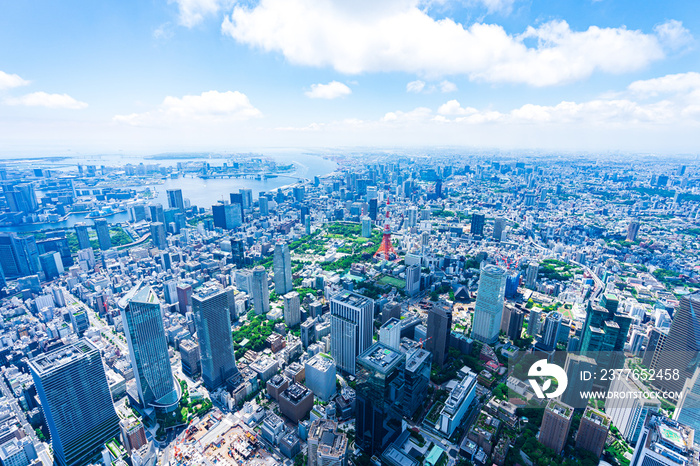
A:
(221, 75)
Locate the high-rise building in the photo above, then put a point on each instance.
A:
(158, 236)
(157, 213)
(351, 328)
(51, 264)
(246, 197)
(477, 224)
(327, 446)
(133, 434)
(184, 298)
(416, 376)
(103, 237)
(212, 318)
(296, 402)
(190, 358)
(237, 198)
(438, 331)
(457, 405)
(664, 442)
(81, 231)
(682, 345)
(292, 309)
(264, 203)
(533, 269)
(366, 227)
(632, 230)
(175, 200)
(373, 209)
(515, 325)
(227, 216)
(76, 401)
(282, 265)
(378, 395)
(657, 338)
(593, 431)
(260, 291)
(320, 376)
(488, 309)
(688, 408)
(499, 225)
(411, 216)
(413, 280)
(19, 256)
(550, 330)
(556, 422)
(391, 309)
(148, 348)
(390, 333)
(578, 372)
(629, 412)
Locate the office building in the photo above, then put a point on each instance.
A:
(184, 298)
(556, 423)
(211, 315)
(664, 442)
(272, 428)
(457, 404)
(158, 236)
(51, 265)
(320, 376)
(681, 346)
(632, 231)
(657, 338)
(260, 291)
(18, 452)
(488, 309)
(264, 203)
(411, 217)
(533, 322)
(438, 331)
(477, 224)
(413, 280)
(227, 216)
(104, 239)
(499, 225)
(19, 256)
(327, 446)
(416, 376)
(533, 269)
(246, 197)
(190, 358)
(390, 333)
(148, 349)
(237, 198)
(593, 431)
(296, 402)
(629, 413)
(378, 397)
(391, 309)
(76, 401)
(133, 434)
(687, 410)
(548, 339)
(80, 320)
(351, 328)
(282, 265)
(156, 213)
(81, 231)
(292, 309)
(175, 200)
(580, 371)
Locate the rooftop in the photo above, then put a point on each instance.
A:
(352, 299)
(62, 356)
(380, 357)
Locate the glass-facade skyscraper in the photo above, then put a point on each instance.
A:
(76, 401)
(148, 348)
(488, 309)
(213, 321)
(282, 265)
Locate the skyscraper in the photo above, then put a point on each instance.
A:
(227, 216)
(282, 265)
(148, 348)
(292, 309)
(499, 225)
(593, 431)
(103, 237)
(175, 200)
(688, 408)
(19, 256)
(664, 442)
(327, 446)
(156, 212)
(260, 291)
(212, 318)
(76, 401)
(264, 206)
(629, 412)
(488, 309)
(533, 269)
(81, 231)
(378, 396)
(632, 231)
(351, 328)
(390, 333)
(550, 330)
(158, 235)
(556, 422)
(681, 348)
(51, 264)
(477, 224)
(438, 331)
(237, 198)
(413, 280)
(246, 197)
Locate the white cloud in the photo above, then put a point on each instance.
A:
(8, 81)
(398, 35)
(453, 107)
(163, 32)
(496, 6)
(332, 90)
(210, 106)
(673, 35)
(415, 86)
(43, 99)
(193, 12)
(447, 86)
(672, 83)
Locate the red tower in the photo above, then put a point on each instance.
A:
(386, 251)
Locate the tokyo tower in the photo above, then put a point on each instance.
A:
(386, 251)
